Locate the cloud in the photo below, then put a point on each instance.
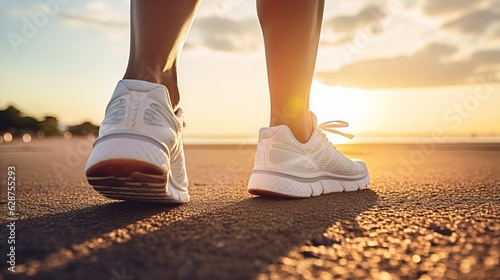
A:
(99, 15)
(102, 17)
(495, 35)
(486, 57)
(443, 7)
(476, 22)
(223, 34)
(97, 6)
(348, 24)
(74, 19)
(372, 19)
(431, 66)
(344, 40)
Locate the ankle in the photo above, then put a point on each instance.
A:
(300, 125)
(167, 78)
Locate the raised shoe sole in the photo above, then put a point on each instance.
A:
(132, 169)
(271, 183)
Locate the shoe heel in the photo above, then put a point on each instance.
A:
(127, 156)
(130, 169)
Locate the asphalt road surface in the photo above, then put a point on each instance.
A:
(430, 212)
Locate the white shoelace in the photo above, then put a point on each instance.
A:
(331, 126)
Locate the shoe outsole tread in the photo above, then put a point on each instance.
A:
(137, 186)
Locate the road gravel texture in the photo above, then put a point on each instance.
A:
(429, 213)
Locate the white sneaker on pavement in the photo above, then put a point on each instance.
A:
(285, 167)
(139, 153)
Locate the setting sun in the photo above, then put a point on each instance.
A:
(340, 103)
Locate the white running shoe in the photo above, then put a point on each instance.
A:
(139, 153)
(288, 168)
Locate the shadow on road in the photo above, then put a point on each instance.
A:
(235, 241)
(42, 236)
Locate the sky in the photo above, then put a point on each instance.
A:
(390, 69)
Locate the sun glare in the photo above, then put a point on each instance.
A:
(340, 103)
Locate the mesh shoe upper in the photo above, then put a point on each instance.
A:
(142, 108)
(278, 150)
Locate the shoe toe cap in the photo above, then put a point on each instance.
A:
(362, 169)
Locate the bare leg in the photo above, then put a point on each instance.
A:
(158, 32)
(291, 31)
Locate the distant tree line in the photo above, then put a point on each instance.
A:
(15, 122)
